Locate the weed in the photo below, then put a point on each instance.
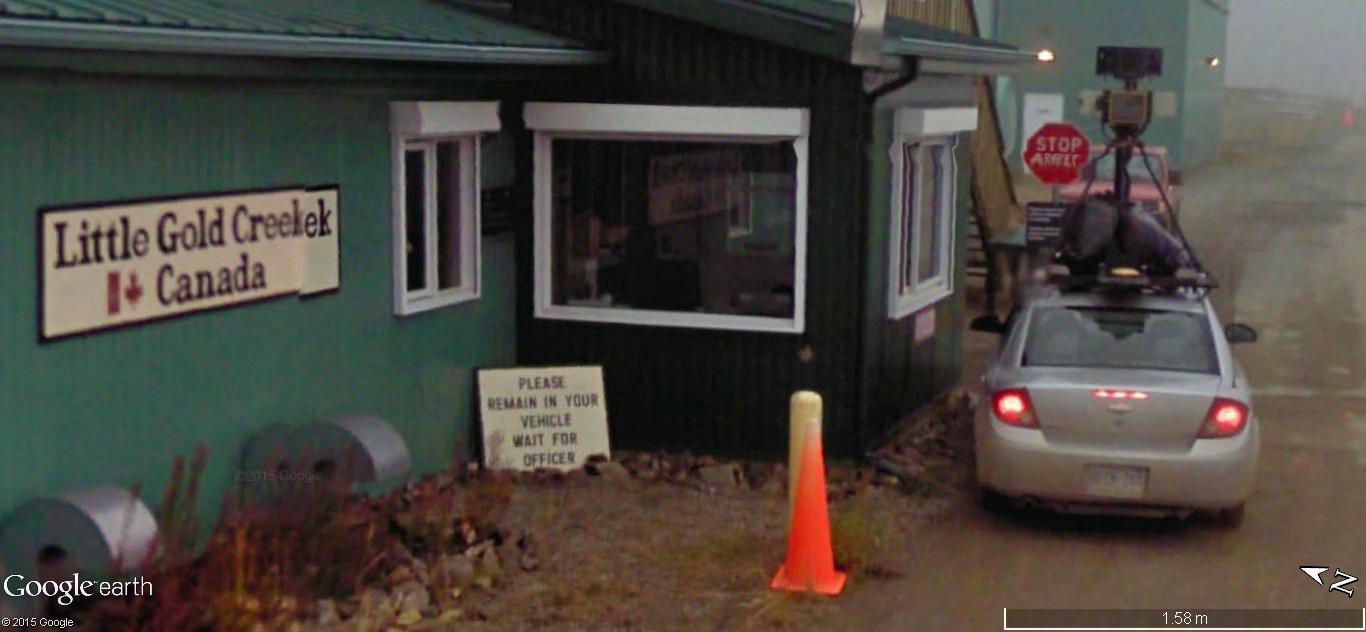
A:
(864, 534)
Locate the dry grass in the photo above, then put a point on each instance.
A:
(634, 555)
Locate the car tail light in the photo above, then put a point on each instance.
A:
(1226, 418)
(1013, 407)
(1119, 393)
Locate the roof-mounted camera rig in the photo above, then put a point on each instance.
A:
(1106, 240)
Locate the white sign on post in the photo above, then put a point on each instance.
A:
(112, 265)
(552, 417)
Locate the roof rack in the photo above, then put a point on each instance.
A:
(1124, 278)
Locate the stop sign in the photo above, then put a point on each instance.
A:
(1057, 152)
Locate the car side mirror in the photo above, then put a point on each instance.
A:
(1175, 178)
(989, 323)
(1238, 334)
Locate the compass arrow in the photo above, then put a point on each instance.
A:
(1314, 571)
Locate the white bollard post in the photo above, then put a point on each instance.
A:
(805, 411)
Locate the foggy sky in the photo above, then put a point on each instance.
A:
(1313, 46)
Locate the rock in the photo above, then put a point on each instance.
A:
(609, 470)
(509, 555)
(528, 560)
(489, 564)
(705, 461)
(456, 570)
(576, 474)
(327, 612)
(421, 571)
(774, 486)
(401, 575)
(375, 604)
(755, 475)
(411, 596)
(401, 554)
(719, 477)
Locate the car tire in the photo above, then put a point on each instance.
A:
(995, 502)
(1231, 518)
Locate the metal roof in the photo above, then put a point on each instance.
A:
(409, 30)
(825, 27)
(908, 37)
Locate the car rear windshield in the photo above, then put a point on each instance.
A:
(1120, 339)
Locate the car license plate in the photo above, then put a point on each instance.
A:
(1116, 481)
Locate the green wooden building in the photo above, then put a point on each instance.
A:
(718, 202)
(845, 281)
(116, 102)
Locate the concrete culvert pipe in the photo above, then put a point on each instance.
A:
(99, 532)
(362, 448)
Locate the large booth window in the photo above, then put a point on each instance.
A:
(924, 205)
(437, 202)
(671, 216)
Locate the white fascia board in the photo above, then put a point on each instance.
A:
(436, 118)
(667, 120)
(935, 121)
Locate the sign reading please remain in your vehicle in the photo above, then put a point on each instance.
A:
(118, 264)
(552, 417)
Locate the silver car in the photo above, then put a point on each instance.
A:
(1105, 402)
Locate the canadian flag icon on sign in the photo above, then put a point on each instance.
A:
(113, 293)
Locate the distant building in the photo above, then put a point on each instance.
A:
(1191, 33)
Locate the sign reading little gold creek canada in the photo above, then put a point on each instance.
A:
(117, 264)
(552, 417)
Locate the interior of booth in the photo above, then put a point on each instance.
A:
(674, 226)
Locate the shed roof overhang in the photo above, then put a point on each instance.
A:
(947, 52)
(402, 30)
(826, 28)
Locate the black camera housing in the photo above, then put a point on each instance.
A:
(1129, 63)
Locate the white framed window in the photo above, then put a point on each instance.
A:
(921, 247)
(924, 207)
(671, 216)
(436, 202)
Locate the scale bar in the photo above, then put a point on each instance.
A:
(1208, 619)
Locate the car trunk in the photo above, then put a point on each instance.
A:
(1070, 413)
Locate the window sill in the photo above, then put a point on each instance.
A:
(410, 306)
(683, 320)
(915, 302)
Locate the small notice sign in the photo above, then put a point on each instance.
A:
(924, 324)
(553, 417)
(1043, 223)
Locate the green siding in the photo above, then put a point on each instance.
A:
(724, 391)
(117, 406)
(900, 374)
(1204, 99)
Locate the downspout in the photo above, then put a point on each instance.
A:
(870, 26)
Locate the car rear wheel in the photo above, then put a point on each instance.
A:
(995, 502)
(1231, 518)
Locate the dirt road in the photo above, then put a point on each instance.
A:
(1287, 237)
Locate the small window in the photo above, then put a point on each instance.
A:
(437, 202)
(922, 233)
(439, 227)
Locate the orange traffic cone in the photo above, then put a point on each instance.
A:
(810, 558)
(1349, 117)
